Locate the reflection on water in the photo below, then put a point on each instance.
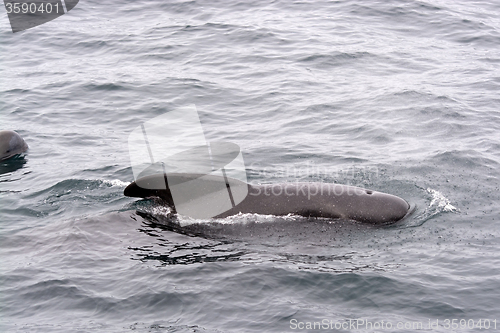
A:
(176, 245)
(301, 243)
(12, 164)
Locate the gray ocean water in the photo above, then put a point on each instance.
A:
(396, 96)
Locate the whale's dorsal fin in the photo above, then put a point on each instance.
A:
(151, 186)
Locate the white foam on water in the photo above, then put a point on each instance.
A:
(439, 200)
(239, 219)
(114, 182)
(161, 210)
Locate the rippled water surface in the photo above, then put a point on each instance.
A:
(395, 96)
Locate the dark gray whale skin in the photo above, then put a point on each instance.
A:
(304, 199)
(11, 144)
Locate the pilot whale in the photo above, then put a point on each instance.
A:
(304, 199)
(11, 144)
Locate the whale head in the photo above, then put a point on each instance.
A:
(11, 144)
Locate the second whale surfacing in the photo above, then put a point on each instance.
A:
(304, 199)
(11, 144)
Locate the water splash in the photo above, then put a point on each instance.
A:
(437, 204)
(439, 200)
(238, 219)
(114, 182)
